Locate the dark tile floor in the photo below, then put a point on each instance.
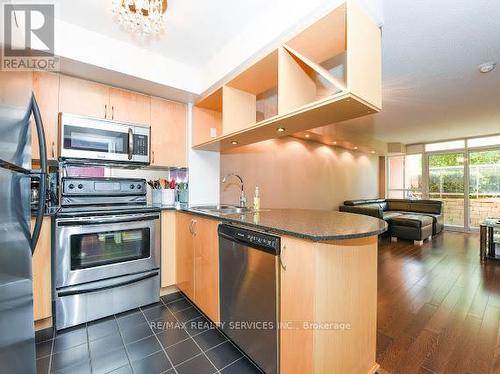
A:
(170, 337)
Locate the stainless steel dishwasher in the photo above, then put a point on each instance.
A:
(249, 296)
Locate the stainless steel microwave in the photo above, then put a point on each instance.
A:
(85, 138)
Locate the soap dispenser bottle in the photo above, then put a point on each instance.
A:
(256, 199)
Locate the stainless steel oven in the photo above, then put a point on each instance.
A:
(99, 139)
(106, 252)
(96, 247)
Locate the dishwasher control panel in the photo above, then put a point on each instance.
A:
(257, 239)
(266, 242)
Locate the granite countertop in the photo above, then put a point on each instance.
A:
(315, 225)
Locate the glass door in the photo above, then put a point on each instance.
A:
(105, 248)
(447, 183)
(484, 186)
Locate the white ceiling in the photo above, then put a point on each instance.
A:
(195, 29)
(432, 89)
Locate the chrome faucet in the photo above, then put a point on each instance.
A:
(243, 199)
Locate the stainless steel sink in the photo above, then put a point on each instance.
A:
(222, 209)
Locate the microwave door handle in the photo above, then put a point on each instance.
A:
(130, 143)
(43, 172)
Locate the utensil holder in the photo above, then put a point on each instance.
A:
(156, 197)
(168, 197)
(183, 196)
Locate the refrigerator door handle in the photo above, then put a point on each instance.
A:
(43, 173)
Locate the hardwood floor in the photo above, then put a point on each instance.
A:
(438, 307)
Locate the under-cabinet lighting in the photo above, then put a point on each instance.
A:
(307, 136)
(234, 142)
(281, 129)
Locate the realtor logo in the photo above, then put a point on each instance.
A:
(28, 37)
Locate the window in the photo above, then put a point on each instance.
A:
(483, 142)
(405, 177)
(445, 146)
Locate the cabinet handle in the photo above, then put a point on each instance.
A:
(194, 227)
(191, 226)
(53, 149)
(105, 111)
(283, 265)
(112, 112)
(153, 158)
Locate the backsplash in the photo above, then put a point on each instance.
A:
(293, 173)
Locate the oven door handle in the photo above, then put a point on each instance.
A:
(83, 290)
(101, 221)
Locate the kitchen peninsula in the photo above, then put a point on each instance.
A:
(327, 281)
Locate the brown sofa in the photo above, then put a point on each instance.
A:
(408, 219)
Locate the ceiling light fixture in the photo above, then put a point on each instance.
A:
(141, 17)
(234, 142)
(487, 67)
(281, 129)
(355, 147)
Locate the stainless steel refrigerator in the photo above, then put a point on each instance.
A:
(17, 243)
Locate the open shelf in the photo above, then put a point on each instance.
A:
(252, 96)
(324, 39)
(329, 72)
(207, 118)
(303, 82)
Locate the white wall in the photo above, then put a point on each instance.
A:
(292, 173)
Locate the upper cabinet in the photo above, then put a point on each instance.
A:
(329, 72)
(128, 106)
(60, 93)
(46, 90)
(86, 98)
(168, 133)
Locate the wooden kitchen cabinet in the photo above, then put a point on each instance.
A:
(42, 281)
(83, 97)
(197, 259)
(46, 90)
(168, 133)
(168, 250)
(206, 267)
(334, 285)
(128, 106)
(184, 254)
(296, 305)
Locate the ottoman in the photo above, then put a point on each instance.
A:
(414, 227)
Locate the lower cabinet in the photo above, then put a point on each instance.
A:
(197, 261)
(206, 267)
(42, 282)
(168, 240)
(184, 254)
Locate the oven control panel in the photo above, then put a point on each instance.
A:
(103, 186)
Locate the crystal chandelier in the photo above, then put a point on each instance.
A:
(142, 18)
